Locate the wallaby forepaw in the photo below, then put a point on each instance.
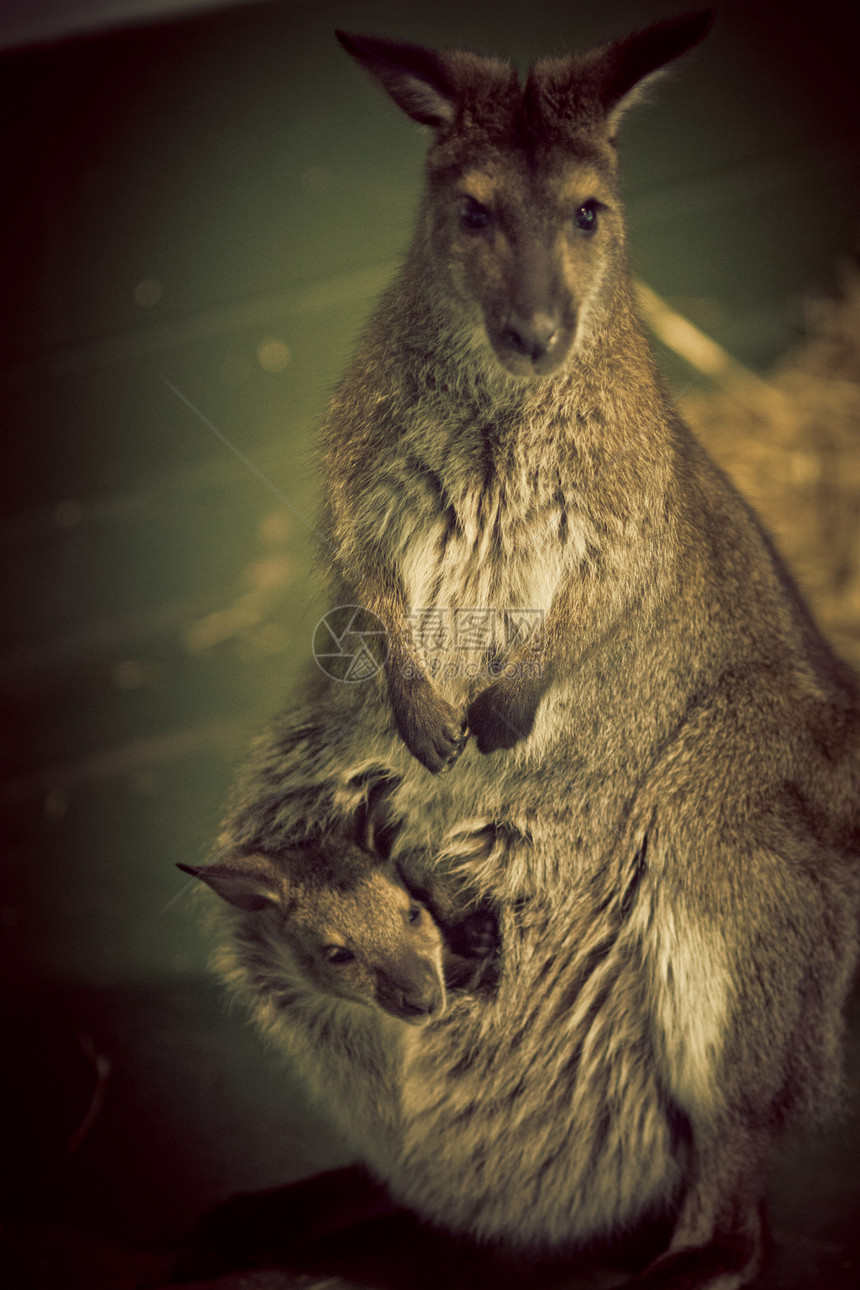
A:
(499, 717)
(438, 747)
(444, 750)
(431, 729)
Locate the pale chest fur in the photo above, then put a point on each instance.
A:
(481, 525)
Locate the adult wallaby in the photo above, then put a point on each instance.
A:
(668, 823)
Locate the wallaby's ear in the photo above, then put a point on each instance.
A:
(375, 827)
(625, 68)
(245, 882)
(416, 78)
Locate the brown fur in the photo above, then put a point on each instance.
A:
(668, 822)
(345, 923)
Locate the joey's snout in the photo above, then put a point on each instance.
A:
(418, 1011)
(415, 999)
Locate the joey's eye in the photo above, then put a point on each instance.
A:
(585, 218)
(338, 954)
(414, 914)
(474, 216)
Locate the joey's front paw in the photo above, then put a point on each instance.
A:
(471, 960)
(502, 715)
(476, 936)
(431, 729)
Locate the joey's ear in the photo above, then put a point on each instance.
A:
(624, 69)
(246, 882)
(418, 79)
(375, 825)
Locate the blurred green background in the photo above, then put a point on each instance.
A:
(197, 215)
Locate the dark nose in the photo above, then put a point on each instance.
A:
(534, 336)
(418, 1008)
(416, 1004)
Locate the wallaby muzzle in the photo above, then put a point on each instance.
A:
(532, 345)
(416, 996)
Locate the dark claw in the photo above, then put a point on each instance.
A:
(458, 743)
(429, 726)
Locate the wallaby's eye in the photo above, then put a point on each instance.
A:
(414, 914)
(585, 218)
(474, 216)
(338, 954)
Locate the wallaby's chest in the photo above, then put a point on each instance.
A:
(484, 525)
